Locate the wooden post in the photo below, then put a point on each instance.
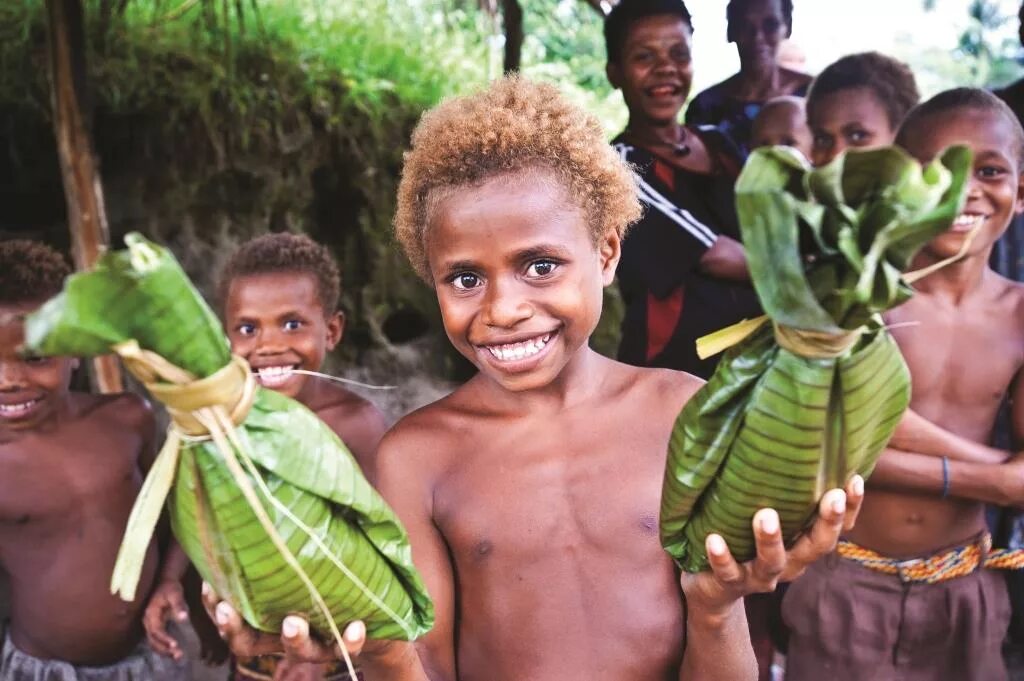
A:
(87, 218)
(512, 17)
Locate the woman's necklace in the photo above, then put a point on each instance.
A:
(680, 149)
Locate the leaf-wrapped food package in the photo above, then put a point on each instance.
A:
(804, 402)
(278, 519)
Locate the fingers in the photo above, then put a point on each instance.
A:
(176, 603)
(822, 537)
(243, 640)
(854, 500)
(154, 620)
(723, 565)
(767, 567)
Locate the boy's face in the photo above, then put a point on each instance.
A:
(848, 118)
(995, 193)
(783, 125)
(32, 389)
(758, 32)
(277, 323)
(654, 71)
(518, 277)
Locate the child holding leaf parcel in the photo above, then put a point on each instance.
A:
(907, 595)
(280, 307)
(69, 474)
(538, 482)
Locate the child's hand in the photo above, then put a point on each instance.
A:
(167, 602)
(295, 642)
(712, 593)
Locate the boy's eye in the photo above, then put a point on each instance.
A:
(681, 55)
(36, 360)
(465, 281)
(292, 325)
(858, 136)
(541, 268)
(246, 329)
(989, 172)
(822, 141)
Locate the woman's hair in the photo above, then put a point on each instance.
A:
(513, 125)
(628, 12)
(30, 272)
(289, 253)
(891, 81)
(971, 98)
(734, 10)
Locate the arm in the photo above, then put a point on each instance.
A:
(363, 433)
(725, 259)
(917, 434)
(999, 484)
(718, 642)
(409, 490)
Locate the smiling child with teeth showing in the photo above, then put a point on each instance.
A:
(962, 335)
(69, 475)
(280, 306)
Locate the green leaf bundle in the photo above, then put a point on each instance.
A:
(274, 513)
(802, 404)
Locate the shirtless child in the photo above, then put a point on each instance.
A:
(962, 335)
(531, 493)
(782, 121)
(69, 475)
(280, 304)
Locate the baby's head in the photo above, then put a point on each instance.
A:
(279, 297)
(980, 120)
(783, 121)
(31, 388)
(512, 206)
(858, 101)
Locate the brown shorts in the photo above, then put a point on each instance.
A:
(849, 623)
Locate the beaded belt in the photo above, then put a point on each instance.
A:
(940, 567)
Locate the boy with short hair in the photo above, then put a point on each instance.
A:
(279, 295)
(69, 475)
(783, 121)
(907, 596)
(858, 101)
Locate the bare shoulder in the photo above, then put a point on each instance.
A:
(426, 438)
(666, 389)
(126, 410)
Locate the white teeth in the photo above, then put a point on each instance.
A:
(274, 376)
(512, 351)
(966, 221)
(20, 409)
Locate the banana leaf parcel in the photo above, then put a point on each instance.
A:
(804, 402)
(273, 511)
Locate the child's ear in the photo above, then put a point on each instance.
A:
(609, 250)
(1018, 207)
(611, 69)
(335, 329)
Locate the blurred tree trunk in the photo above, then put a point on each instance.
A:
(87, 217)
(512, 17)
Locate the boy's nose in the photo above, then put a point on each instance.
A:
(505, 306)
(12, 376)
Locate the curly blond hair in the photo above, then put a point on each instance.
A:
(514, 124)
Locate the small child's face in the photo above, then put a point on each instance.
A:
(277, 323)
(32, 389)
(654, 71)
(518, 277)
(784, 125)
(995, 193)
(848, 118)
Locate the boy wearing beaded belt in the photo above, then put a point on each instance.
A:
(906, 596)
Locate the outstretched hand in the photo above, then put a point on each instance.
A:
(294, 642)
(716, 590)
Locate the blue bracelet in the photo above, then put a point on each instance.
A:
(945, 477)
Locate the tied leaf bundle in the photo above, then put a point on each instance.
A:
(801, 404)
(263, 497)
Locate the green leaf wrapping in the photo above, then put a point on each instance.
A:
(826, 249)
(142, 294)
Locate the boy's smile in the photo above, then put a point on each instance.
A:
(518, 276)
(31, 388)
(655, 72)
(994, 194)
(277, 323)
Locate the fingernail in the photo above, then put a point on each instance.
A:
(223, 613)
(769, 522)
(289, 628)
(858, 485)
(206, 589)
(355, 631)
(839, 503)
(716, 545)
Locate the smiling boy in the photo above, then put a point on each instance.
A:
(907, 596)
(69, 475)
(279, 295)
